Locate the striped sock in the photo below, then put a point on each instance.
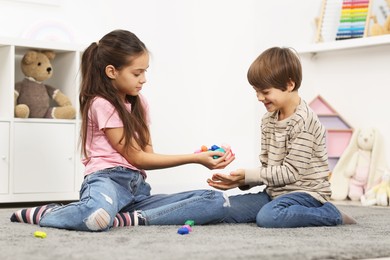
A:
(123, 219)
(32, 215)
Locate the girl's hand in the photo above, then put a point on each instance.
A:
(207, 160)
(225, 182)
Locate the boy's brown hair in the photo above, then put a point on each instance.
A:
(274, 68)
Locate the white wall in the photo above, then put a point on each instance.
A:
(197, 85)
(201, 50)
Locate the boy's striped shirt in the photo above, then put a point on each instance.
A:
(293, 155)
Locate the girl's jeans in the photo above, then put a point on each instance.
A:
(105, 193)
(296, 209)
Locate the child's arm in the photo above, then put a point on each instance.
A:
(148, 160)
(304, 160)
(295, 162)
(277, 175)
(226, 182)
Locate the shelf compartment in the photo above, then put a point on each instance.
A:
(51, 170)
(337, 141)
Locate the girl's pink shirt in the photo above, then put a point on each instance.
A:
(101, 155)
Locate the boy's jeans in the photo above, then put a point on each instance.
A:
(296, 209)
(105, 193)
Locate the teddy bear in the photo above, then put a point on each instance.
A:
(360, 166)
(379, 194)
(33, 98)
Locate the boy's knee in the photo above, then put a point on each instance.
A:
(266, 219)
(98, 220)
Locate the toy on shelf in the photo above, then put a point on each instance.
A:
(33, 98)
(354, 20)
(224, 148)
(381, 18)
(377, 29)
(186, 228)
(327, 21)
(360, 167)
(343, 19)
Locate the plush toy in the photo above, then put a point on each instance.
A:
(32, 97)
(379, 194)
(359, 167)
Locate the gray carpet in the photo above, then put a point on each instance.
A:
(370, 238)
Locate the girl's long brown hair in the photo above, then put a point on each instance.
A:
(117, 48)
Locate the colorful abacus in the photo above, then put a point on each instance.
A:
(354, 19)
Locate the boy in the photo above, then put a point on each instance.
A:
(294, 160)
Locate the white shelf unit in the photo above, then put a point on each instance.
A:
(39, 158)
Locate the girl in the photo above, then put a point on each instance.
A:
(117, 149)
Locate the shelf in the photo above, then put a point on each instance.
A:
(344, 44)
(26, 44)
(38, 156)
(44, 120)
(333, 122)
(337, 142)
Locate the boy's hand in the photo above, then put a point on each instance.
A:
(225, 182)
